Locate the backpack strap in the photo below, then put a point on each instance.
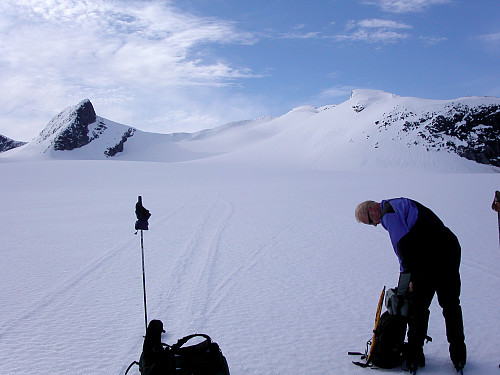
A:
(184, 340)
(130, 366)
(404, 283)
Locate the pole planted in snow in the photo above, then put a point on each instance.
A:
(141, 224)
(144, 283)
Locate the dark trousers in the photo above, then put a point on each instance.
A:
(441, 278)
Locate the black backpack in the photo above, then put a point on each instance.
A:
(387, 347)
(203, 358)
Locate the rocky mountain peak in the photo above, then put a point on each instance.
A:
(70, 129)
(8, 144)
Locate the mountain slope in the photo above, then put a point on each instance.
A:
(8, 144)
(375, 129)
(370, 130)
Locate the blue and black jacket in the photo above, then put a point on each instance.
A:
(419, 238)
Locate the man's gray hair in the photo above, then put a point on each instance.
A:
(362, 210)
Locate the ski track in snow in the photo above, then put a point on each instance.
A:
(18, 332)
(274, 268)
(193, 271)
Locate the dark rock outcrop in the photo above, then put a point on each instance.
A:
(112, 151)
(8, 144)
(477, 128)
(472, 132)
(76, 134)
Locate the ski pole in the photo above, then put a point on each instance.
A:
(141, 224)
(144, 283)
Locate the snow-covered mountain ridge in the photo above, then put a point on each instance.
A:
(371, 129)
(470, 131)
(70, 128)
(8, 143)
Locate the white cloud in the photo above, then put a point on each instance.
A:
(56, 52)
(299, 35)
(433, 40)
(134, 42)
(296, 32)
(386, 24)
(374, 31)
(492, 38)
(490, 42)
(378, 36)
(335, 92)
(406, 6)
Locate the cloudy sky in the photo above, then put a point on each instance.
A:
(185, 65)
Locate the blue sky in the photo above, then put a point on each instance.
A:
(185, 65)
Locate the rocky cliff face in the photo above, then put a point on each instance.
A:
(70, 129)
(472, 132)
(476, 132)
(79, 126)
(8, 144)
(76, 134)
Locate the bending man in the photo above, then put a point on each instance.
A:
(430, 251)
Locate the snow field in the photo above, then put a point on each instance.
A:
(268, 261)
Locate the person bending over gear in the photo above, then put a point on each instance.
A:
(430, 251)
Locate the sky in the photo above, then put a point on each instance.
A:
(171, 65)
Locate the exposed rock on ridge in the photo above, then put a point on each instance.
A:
(112, 151)
(70, 129)
(8, 144)
(76, 135)
(472, 132)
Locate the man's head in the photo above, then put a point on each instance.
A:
(368, 212)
